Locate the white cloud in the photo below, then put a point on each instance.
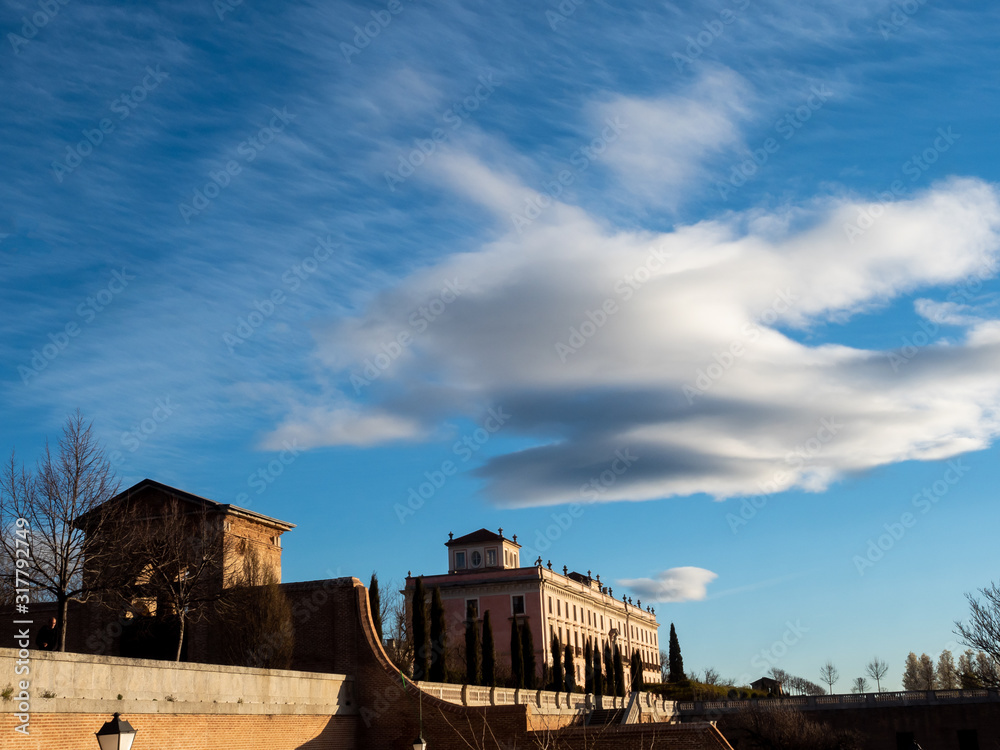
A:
(666, 141)
(347, 426)
(675, 585)
(947, 313)
(694, 370)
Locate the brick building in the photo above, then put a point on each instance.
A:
(485, 573)
(242, 531)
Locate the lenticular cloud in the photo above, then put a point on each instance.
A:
(683, 348)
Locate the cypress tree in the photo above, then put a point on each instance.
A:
(516, 655)
(489, 652)
(528, 656)
(439, 669)
(609, 670)
(570, 669)
(636, 668)
(471, 647)
(558, 680)
(418, 618)
(674, 659)
(588, 668)
(619, 673)
(375, 604)
(598, 672)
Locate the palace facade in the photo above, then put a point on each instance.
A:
(485, 574)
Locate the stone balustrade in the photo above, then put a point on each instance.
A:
(544, 701)
(847, 700)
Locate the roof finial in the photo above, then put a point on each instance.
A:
(501, 531)
(450, 536)
(565, 570)
(550, 565)
(515, 538)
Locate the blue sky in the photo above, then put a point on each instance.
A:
(700, 297)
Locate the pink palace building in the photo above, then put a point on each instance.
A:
(484, 572)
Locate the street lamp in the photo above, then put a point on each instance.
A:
(419, 743)
(116, 734)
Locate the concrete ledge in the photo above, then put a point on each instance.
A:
(125, 707)
(82, 683)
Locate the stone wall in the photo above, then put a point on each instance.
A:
(80, 683)
(187, 706)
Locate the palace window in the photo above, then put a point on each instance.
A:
(550, 605)
(491, 558)
(472, 608)
(517, 605)
(459, 560)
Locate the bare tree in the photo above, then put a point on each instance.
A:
(179, 554)
(860, 685)
(877, 669)
(8, 593)
(399, 644)
(780, 675)
(64, 547)
(983, 629)
(786, 728)
(911, 678)
(257, 617)
(711, 676)
(987, 670)
(829, 675)
(926, 674)
(947, 675)
(967, 676)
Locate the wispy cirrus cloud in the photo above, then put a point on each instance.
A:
(669, 139)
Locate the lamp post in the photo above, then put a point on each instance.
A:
(419, 743)
(116, 734)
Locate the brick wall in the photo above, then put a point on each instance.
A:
(261, 538)
(58, 731)
(934, 726)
